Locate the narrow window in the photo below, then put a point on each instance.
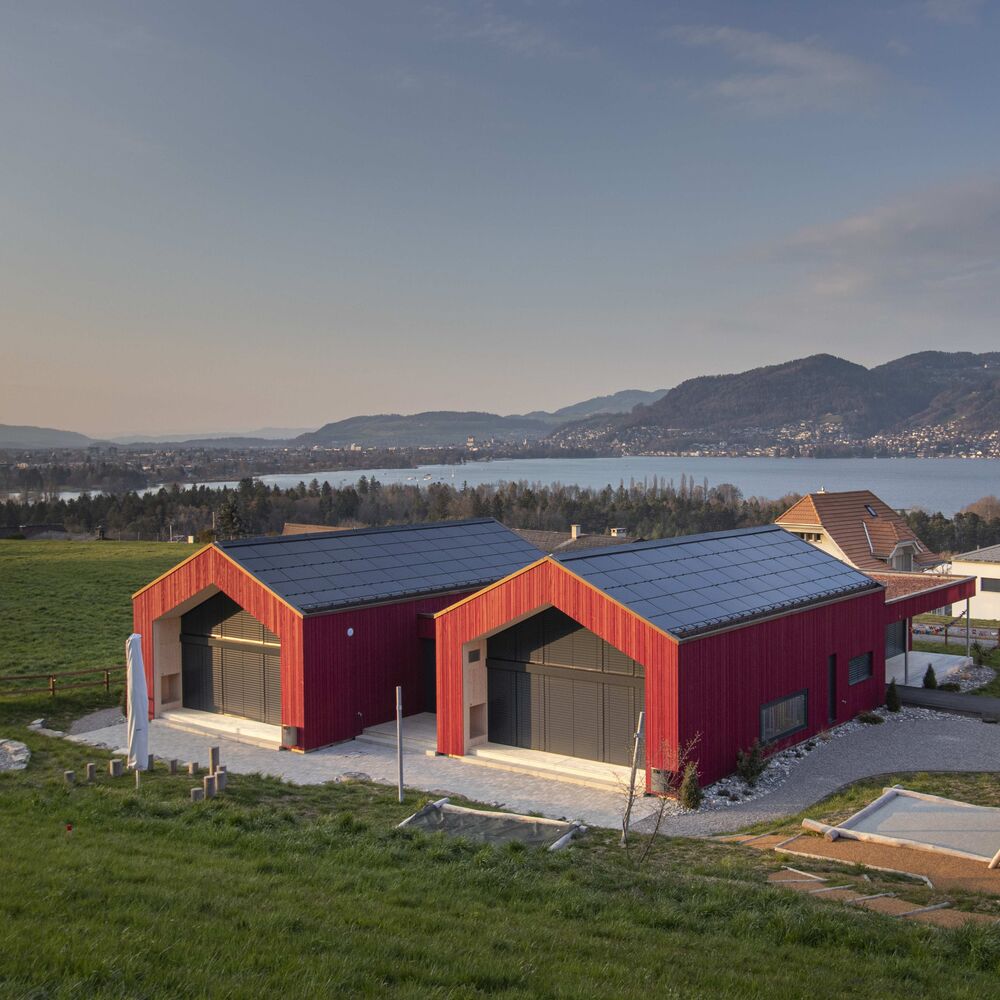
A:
(859, 668)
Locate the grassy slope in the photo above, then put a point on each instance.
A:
(66, 605)
(288, 891)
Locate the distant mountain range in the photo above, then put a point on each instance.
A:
(842, 399)
(432, 429)
(922, 390)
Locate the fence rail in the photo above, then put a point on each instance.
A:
(54, 681)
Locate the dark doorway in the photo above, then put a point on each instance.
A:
(428, 667)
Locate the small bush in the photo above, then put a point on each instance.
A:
(690, 793)
(979, 654)
(870, 718)
(751, 764)
(892, 697)
(930, 678)
(949, 686)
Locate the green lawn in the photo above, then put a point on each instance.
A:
(296, 892)
(67, 605)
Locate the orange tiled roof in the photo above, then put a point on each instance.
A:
(866, 539)
(899, 585)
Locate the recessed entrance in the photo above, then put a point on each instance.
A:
(230, 662)
(555, 686)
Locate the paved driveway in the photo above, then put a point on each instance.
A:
(924, 744)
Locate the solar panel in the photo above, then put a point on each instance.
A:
(685, 585)
(329, 571)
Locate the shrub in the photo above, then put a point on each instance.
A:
(892, 697)
(979, 654)
(751, 764)
(930, 678)
(690, 793)
(870, 718)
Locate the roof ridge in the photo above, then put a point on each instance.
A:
(353, 532)
(663, 542)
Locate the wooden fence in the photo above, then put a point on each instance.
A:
(55, 682)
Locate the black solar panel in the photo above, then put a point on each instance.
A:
(339, 569)
(689, 584)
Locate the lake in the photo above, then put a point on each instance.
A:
(936, 484)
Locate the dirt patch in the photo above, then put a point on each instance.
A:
(943, 871)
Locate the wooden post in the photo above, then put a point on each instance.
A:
(197, 794)
(968, 626)
(91, 772)
(399, 740)
(220, 780)
(209, 785)
(107, 680)
(172, 765)
(213, 760)
(193, 767)
(115, 768)
(52, 685)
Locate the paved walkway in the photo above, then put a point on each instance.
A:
(931, 744)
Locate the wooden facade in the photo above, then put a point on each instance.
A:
(710, 687)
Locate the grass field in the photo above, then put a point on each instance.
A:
(296, 892)
(67, 605)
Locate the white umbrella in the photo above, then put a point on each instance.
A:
(137, 704)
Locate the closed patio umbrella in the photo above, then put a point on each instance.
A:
(137, 704)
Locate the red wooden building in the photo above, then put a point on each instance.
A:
(727, 638)
(313, 632)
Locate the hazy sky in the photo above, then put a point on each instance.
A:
(220, 216)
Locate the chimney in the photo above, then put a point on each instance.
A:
(619, 533)
(574, 531)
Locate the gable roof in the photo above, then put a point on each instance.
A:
(867, 537)
(699, 583)
(334, 570)
(990, 554)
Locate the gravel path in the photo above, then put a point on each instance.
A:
(927, 742)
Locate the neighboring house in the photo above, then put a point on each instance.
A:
(575, 539)
(313, 632)
(984, 565)
(721, 638)
(860, 529)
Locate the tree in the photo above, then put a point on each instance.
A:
(892, 697)
(930, 678)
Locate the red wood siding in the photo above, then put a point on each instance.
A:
(920, 604)
(209, 567)
(350, 681)
(724, 679)
(549, 584)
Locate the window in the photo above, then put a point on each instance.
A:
(783, 717)
(859, 668)
(871, 510)
(989, 583)
(474, 655)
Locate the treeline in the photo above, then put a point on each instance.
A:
(647, 510)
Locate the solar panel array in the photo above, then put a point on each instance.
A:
(328, 571)
(699, 582)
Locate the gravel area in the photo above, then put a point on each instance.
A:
(910, 740)
(100, 719)
(972, 678)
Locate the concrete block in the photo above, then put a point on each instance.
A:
(209, 786)
(193, 767)
(172, 766)
(70, 777)
(197, 794)
(91, 772)
(220, 780)
(115, 768)
(213, 760)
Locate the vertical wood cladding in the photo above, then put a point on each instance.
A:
(547, 584)
(724, 679)
(351, 680)
(210, 569)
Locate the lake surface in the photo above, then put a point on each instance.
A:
(936, 484)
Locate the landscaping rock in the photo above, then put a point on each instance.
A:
(14, 756)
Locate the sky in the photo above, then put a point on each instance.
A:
(218, 217)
